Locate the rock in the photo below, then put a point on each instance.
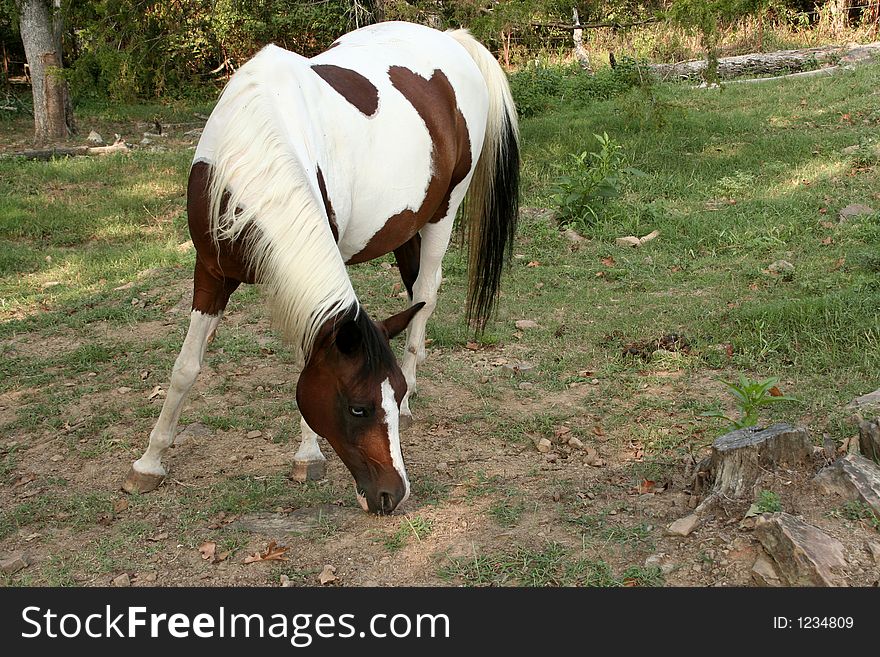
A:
(190, 431)
(14, 563)
(874, 549)
(763, 572)
(684, 526)
(869, 439)
(800, 554)
(94, 138)
(573, 236)
(286, 582)
(517, 367)
(195, 132)
(865, 406)
(524, 324)
(254, 434)
(122, 580)
(629, 240)
(853, 477)
(146, 141)
(525, 385)
(327, 575)
(56, 457)
(849, 150)
(575, 443)
(543, 445)
(740, 458)
(781, 267)
(123, 390)
(660, 561)
(853, 210)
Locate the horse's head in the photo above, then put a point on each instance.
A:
(350, 392)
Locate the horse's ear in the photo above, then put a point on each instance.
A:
(395, 324)
(349, 338)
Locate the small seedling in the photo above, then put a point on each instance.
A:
(750, 396)
(767, 502)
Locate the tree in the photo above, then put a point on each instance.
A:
(41, 24)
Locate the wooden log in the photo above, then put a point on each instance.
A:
(741, 458)
(771, 63)
(44, 154)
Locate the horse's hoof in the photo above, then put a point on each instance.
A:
(141, 482)
(309, 470)
(405, 422)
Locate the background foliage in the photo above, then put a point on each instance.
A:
(138, 49)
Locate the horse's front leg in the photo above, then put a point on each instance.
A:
(422, 281)
(309, 463)
(147, 473)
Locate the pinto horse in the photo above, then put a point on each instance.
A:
(308, 165)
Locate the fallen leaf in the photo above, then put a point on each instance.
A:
(647, 486)
(838, 264)
(823, 210)
(598, 430)
(534, 263)
(327, 575)
(826, 224)
(156, 392)
(775, 392)
(273, 552)
(120, 505)
(609, 261)
(472, 346)
(827, 241)
(208, 549)
(158, 537)
(561, 431)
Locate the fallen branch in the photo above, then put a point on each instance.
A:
(119, 146)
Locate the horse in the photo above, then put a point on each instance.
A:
(306, 166)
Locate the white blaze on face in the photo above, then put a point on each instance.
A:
(392, 416)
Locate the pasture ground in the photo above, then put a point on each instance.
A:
(94, 299)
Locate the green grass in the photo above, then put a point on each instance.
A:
(735, 179)
(412, 529)
(552, 565)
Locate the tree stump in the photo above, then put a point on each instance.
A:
(741, 458)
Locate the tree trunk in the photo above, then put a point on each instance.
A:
(40, 34)
(577, 36)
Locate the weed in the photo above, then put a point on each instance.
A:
(750, 397)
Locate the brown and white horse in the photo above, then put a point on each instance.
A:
(308, 165)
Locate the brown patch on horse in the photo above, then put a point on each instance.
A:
(328, 207)
(351, 85)
(434, 100)
(220, 267)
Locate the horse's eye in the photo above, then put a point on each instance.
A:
(359, 411)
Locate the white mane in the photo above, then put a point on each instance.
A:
(293, 252)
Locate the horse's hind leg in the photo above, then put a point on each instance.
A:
(309, 463)
(429, 251)
(147, 473)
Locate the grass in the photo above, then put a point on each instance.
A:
(551, 565)
(736, 179)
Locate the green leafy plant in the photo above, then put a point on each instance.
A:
(767, 502)
(751, 396)
(587, 181)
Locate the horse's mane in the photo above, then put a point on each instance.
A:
(292, 250)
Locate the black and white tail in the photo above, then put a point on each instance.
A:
(492, 206)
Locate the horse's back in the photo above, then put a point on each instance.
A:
(382, 123)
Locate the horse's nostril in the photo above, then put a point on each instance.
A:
(386, 502)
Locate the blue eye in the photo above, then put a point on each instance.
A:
(359, 411)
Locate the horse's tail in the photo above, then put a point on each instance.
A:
(492, 207)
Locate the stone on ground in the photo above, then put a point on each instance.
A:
(852, 477)
(799, 554)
